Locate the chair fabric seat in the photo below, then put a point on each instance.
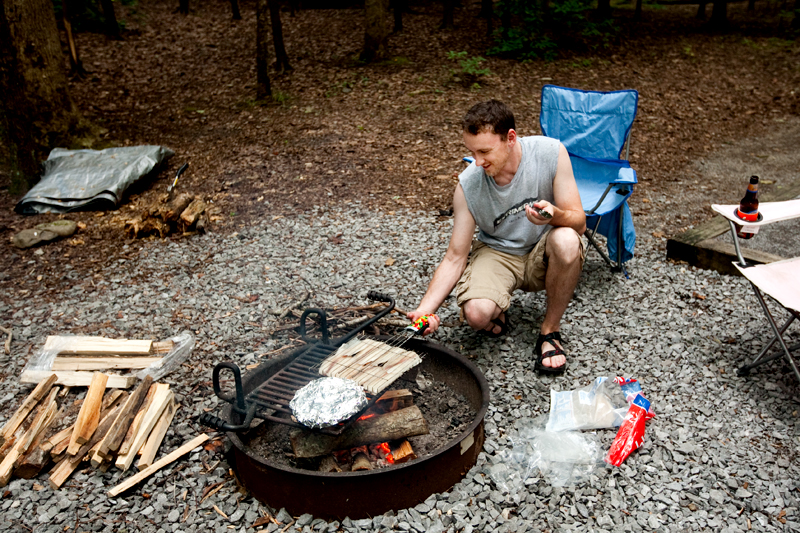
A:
(780, 280)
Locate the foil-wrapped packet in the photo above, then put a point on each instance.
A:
(327, 401)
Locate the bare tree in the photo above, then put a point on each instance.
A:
(235, 9)
(448, 14)
(376, 30)
(183, 7)
(281, 58)
(36, 111)
(110, 19)
(76, 67)
(263, 88)
(719, 14)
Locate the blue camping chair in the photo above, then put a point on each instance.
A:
(595, 126)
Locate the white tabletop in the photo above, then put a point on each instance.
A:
(770, 212)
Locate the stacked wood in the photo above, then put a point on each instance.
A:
(77, 356)
(183, 213)
(372, 364)
(93, 428)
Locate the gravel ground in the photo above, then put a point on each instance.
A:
(720, 455)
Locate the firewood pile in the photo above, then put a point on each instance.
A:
(108, 427)
(378, 438)
(184, 213)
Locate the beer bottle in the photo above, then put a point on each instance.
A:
(748, 209)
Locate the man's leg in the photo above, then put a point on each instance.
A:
(564, 263)
(480, 313)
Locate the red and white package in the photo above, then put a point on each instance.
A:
(631, 433)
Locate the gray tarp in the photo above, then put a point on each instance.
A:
(76, 180)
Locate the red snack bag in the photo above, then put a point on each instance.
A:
(631, 433)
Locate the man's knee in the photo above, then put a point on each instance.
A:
(564, 245)
(479, 313)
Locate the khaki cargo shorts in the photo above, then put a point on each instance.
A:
(494, 275)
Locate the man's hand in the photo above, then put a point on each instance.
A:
(534, 216)
(433, 320)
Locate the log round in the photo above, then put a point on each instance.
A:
(367, 493)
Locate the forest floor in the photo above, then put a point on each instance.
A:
(387, 135)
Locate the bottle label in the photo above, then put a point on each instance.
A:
(751, 216)
(749, 229)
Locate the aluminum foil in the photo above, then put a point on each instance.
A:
(327, 401)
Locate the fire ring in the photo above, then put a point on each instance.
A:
(368, 493)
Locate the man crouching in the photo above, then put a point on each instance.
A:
(521, 193)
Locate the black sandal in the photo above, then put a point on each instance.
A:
(539, 366)
(505, 327)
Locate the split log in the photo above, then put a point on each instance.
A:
(177, 206)
(82, 345)
(41, 390)
(393, 400)
(117, 432)
(164, 461)
(162, 347)
(361, 462)
(134, 427)
(76, 379)
(328, 464)
(403, 452)
(89, 415)
(380, 428)
(103, 363)
(67, 466)
(147, 225)
(44, 416)
(190, 215)
(148, 451)
(159, 403)
(38, 455)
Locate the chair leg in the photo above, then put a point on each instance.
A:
(778, 332)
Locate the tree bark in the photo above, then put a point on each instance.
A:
(263, 88)
(637, 13)
(376, 30)
(76, 67)
(36, 111)
(235, 9)
(719, 14)
(398, 7)
(183, 7)
(281, 58)
(487, 12)
(110, 19)
(448, 14)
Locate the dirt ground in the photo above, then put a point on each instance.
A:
(387, 135)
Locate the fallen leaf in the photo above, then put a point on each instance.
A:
(214, 445)
(698, 296)
(38, 487)
(76, 242)
(219, 511)
(659, 234)
(264, 520)
(646, 200)
(336, 239)
(389, 262)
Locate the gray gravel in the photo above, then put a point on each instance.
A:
(721, 454)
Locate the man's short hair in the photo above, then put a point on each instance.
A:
(493, 115)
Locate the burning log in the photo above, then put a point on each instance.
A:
(379, 428)
(361, 462)
(403, 452)
(329, 464)
(393, 400)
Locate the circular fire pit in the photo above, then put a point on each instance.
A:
(371, 492)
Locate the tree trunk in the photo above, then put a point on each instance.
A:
(376, 30)
(751, 5)
(36, 111)
(398, 7)
(110, 18)
(487, 12)
(235, 10)
(183, 7)
(281, 58)
(637, 13)
(263, 89)
(448, 14)
(701, 11)
(76, 67)
(719, 14)
(604, 8)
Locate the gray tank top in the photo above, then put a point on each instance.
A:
(500, 211)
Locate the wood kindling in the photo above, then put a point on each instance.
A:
(372, 364)
(88, 363)
(148, 451)
(155, 388)
(41, 390)
(160, 400)
(89, 415)
(76, 379)
(70, 462)
(155, 467)
(117, 432)
(403, 452)
(44, 416)
(97, 346)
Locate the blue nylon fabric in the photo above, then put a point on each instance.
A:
(593, 127)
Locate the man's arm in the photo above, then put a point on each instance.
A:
(568, 210)
(452, 266)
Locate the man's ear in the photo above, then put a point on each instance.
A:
(511, 137)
